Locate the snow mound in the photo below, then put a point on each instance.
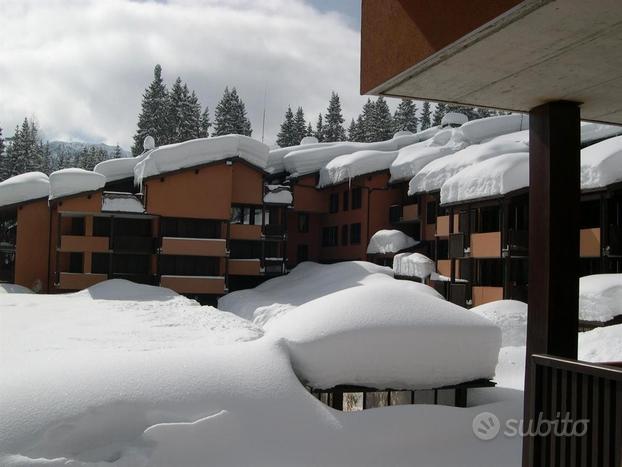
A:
(386, 336)
(24, 187)
(14, 288)
(275, 156)
(278, 194)
(117, 169)
(595, 131)
(308, 140)
(305, 283)
(413, 265)
(601, 163)
(453, 118)
(201, 151)
(600, 297)
(121, 289)
(510, 316)
(389, 241)
(485, 128)
(348, 166)
(68, 182)
(433, 175)
(411, 159)
(492, 177)
(121, 202)
(601, 344)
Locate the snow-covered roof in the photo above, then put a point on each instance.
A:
(278, 194)
(201, 151)
(348, 166)
(67, 182)
(389, 241)
(595, 131)
(483, 129)
(411, 159)
(413, 265)
(600, 297)
(453, 118)
(601, 163)
(117, 169)
(434, 174)
(24, 187)
(492, 177)
(311, 158)
(387, 322)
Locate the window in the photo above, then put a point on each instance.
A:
(430, 212)
(100, 263)
(489, 219)
(189, 265)
(189, 228)
(101, 226)
(77, 226)
(76, 262)
(355, 234)
(346, 200)
(248, 215)
(329, 236)
(303, 222)
(344, 234)
(334, 202)
(302, 253)
(357, 198)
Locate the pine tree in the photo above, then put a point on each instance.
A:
(367, 122)
(309, 131)
(46, 155)
(230, 116)
(333, 128)
(439, 113)
(1, 143)
(319, 128)
(355, 132)
(425, 116)
(205, 124)
(285, 137)
(154, 116)
(382, 127)
(300, 125)
(193, 109)
(405, 117)
(117, 152)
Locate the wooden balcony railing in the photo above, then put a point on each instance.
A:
(244, 267)
(590, 243)
(81, 243)
(194, 284)
(245, 232)
(79, 281)
(484, 294)
(194, 246)
(578, 391)
(486, 245)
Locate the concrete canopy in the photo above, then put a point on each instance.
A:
(537, 51)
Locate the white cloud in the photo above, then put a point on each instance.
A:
(80, 67)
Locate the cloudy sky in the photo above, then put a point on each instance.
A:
(79, 66)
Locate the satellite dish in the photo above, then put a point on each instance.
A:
(148, 143)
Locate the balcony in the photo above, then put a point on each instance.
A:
(486, 245)
(443, 266)
(208, 285)
(615, 240)
(518, 242)
(459, 294)
(589, 245)
(79, 281)
(442, 225)
(80, 244)
(133, 244)
(194, 246)
(274, 230)
(456, 245)
(273, 266)
(410, 213)
(245, 232)
(483, 295)
(245, 267)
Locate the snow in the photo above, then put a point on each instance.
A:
(453, 118)
(510, 316)
(600, 297)
(308, 140)
(130, 375)
(492, 177)
(413, 265)
(434, 174)
(389, 241)
(482, 129)
(14, 288)
(278, 194)
(348, 166)
(67, 182)
(306, 282)
(24, 187)
(601, 163)
(595, 131)
(311, 158)
(117, 169)
(121, 202)
(201, 151)
(386, 322)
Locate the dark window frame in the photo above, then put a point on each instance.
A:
(355, 234)
(333, 203)
(357, 198)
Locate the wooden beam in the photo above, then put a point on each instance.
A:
(554, 194)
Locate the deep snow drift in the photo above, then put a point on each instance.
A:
(129, 375)
(413, 265)
(67, 182)
(510, 316)
(600, 297)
